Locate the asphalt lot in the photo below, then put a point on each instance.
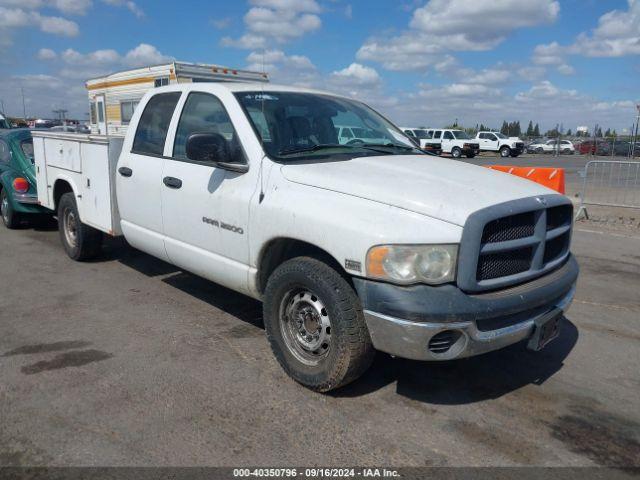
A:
(128, 361)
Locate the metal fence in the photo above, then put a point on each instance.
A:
(610, 183)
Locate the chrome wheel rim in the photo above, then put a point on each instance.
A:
(306, 326)
(4, 207)
(505, 152)
(70, 227)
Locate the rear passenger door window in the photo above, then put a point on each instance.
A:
(154, 124)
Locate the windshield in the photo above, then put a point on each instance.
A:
(500, 135)
(296, 125)
(460, 135)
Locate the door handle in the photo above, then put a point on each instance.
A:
(125, 171)
(172, 182)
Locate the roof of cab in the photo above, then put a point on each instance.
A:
(235, 87)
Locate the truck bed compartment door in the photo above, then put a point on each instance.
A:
(44, 192)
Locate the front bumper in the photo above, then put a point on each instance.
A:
(403, 321)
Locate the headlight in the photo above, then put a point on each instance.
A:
(405, 264)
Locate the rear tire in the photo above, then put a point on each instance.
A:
(315, 325)
(10, 217)
(505, 152)
(456, 152)
(80, 241)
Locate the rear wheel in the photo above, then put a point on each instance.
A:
(315, 325)
(456, 152)
(80, 241)
(505, 152)
(10, 218)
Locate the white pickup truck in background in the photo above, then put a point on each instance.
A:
(498, 142)
(351, 248)
(454, 142)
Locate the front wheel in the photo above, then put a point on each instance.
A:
(471, 155)
(80, 241)
(315, 325)
(10, 218)
(505, 152)
(456, 152)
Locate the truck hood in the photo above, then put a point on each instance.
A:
(445, 189)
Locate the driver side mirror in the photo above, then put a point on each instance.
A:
(214, 148)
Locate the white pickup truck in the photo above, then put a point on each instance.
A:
(454, 142)
(498, 142)
(351, 248)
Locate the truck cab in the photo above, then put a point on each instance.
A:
(351, 248)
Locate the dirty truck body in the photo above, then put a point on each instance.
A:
(351, 248)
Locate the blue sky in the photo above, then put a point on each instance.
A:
(574, 62)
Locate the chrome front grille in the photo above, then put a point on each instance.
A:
(514, 242)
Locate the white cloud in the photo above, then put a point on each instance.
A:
(455, 25)
(11, 18)
(68, 7)
(566, 69)
(544, 103)
(276, 21)
(549, 54)
(531, 73)
(99, 57)
(47, 54)
(58, 26)
(357, 74)
(128, 4)
(617, 34)
(145, 54)
(282, 68)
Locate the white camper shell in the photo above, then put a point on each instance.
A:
(114, 97)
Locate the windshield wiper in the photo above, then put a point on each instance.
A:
(311, 148)
(376, 146)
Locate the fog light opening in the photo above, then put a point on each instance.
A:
(442, 342)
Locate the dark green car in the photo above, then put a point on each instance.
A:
(18, 197)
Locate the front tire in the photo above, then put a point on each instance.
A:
(80, 241)
(10, 217)
(456, 152)
(471, 155)
(315, 325)
(505, 152)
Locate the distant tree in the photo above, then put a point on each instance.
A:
(614, 134)
(607, 133)
(553, 133)
(569, 133)
(505, 128)
(536, 131)
(530, 129)
(598, 132)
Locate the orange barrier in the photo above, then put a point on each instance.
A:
(552, 178)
